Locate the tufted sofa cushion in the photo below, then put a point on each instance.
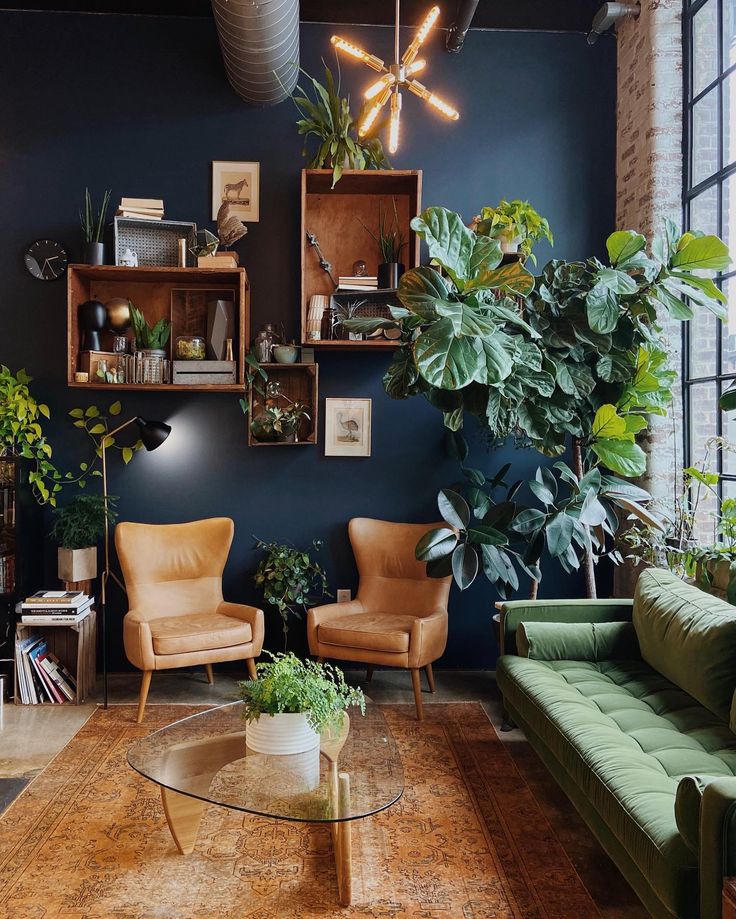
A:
(626, 735)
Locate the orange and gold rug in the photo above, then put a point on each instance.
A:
(88, 839)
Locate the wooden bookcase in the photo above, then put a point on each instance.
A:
(336, 217)
(150, 289)
(299, 382)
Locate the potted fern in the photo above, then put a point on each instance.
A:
(76, 529)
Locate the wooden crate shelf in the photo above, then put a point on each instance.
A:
(150, 289)
(336, 217)
(299, 382)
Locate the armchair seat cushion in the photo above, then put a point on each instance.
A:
(198, 632)
(370, 631)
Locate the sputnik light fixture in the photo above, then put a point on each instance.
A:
(395, 77)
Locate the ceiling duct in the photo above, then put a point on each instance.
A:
(459, 29)
(260, 47)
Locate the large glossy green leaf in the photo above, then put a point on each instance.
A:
(622, 456)
(486, 535)
(559, 534)
(703, 252)
(486, 254)
(608, 423)
(512, 278)
(618, 281)
(444, 360)
(691, 288)
(465, 565)
(592, 513)
(454, 508)
(449, 241)
(401, 375)
(419, 288)
(436, 544)
(533, 419)
(623, 244)
(496, 360)
(529, 521)
(602, 308)
(466, 319)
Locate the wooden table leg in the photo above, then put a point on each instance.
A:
(183, 814)
(342, 843)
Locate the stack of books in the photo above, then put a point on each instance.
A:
(357, 282)
(7, 574)
(55, 607)
(41, 676)
(141, 208)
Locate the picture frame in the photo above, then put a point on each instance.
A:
(348, 427)
(241, 184)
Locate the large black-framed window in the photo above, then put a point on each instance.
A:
(709, 354)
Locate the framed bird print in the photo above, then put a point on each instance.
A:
(348, 427)
(239, 185)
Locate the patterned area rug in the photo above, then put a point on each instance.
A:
(88, 839)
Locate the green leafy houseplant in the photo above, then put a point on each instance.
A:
(93, 223)
(76, 529)
(147, 337)
(290, 579)
(274, 423)
(514, 223)
(22, 436)
(288, 685)
(390, 240)
(96, 423)
(327, 118)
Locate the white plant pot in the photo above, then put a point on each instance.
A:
(509, 246)
(77, 564)
(284, 734)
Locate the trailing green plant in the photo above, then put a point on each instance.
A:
(147, 337)
(81, 523)
(288, 685)
(511, 221)
(390, 240)
(93, 222)
(327, 118)
(275, 423)
(255, 377)
(22, 434)
(96, 424)
(290, 579)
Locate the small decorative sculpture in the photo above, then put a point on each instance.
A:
(229, 228)
(118, 314)
(129, 259)
(323, 263)
(92, 320)
(205, 245)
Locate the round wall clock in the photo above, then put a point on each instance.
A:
(46, 259)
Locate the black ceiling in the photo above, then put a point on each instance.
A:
(544, 15)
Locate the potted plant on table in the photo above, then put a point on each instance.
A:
(515, 224)
(292, 701)
(76, 529)
(93, 228)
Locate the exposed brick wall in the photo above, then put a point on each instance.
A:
(649, 187)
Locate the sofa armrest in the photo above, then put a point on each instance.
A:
(320, 614)
(717, 842)
(249, 614)
(428, 639)
(577, 641)
(137, 640)
(514, 612)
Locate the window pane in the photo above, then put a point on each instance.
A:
(703, 406)
(729, 119)
(728, 216)
(705, 141)
(729, 33)
(703, 346)
(729, 432)
(728, 330)
(704, 211)
(705, 46)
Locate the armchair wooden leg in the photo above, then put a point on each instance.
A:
(210, 675)
(430, 677)
(145, 686)
(417, 685)
(251, 665)
(368, 673)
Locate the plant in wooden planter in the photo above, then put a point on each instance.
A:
(150, 338)
(76, 529)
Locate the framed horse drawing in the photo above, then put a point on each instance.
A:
(239, 185)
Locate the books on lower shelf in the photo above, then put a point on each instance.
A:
(41, 676)
(55, 607)
(357, 282)
(141, 208)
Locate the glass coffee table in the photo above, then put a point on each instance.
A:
(354, 773)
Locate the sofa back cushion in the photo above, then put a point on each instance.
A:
(688, 636)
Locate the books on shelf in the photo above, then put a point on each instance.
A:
(41, 676)
(357, 282)
(55, 607)
(141, 208)
(56, 598)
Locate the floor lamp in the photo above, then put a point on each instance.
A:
(152, 434)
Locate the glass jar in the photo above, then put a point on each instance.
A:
(190, 348)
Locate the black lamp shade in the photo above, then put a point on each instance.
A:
(153, 433)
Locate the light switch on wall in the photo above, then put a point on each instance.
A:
(344, 596)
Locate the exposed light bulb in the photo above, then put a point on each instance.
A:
(415, 67)
(420, 90)
(387, 79)
(354, 51)
(418, 40)
(393, 131)
(373, 111)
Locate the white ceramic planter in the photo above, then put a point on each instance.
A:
(284, 734)
(509, 246)
(78, 564)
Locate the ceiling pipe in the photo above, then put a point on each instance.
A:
(459, 29)
(260, 47)
(608, 15)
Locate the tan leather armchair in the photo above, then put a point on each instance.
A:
(399, 615)
(176, 616)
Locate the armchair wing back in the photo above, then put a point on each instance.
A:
(174, 569)
(391, 579)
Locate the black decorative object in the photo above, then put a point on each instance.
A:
(92, 320)
(46, 260)
(389, 274)
(94, 254)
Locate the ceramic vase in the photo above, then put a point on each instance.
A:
(282, 734)
(94, 254)
(389, 274)
(77, 564)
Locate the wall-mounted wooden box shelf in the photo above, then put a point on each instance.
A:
(178, 294)
(336, 217)
(299, 383)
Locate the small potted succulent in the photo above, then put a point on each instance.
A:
(151, 340)
(516, 226)
(292, 701)
(391, 243)
(93, 228)
(76, 529)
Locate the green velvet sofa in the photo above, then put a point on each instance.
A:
(631, 706)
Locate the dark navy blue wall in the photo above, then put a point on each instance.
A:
(141, 104)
